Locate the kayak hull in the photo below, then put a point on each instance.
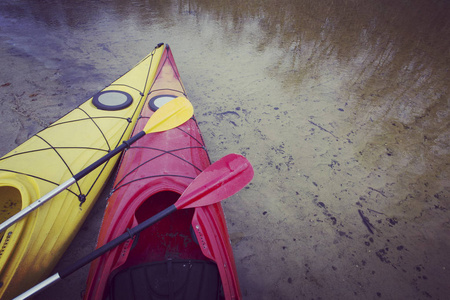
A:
(31, 247)
(151, 176)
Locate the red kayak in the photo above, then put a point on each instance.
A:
(187, 255)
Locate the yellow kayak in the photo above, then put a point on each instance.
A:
(30, 248)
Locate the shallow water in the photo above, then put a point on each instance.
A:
(341, 106)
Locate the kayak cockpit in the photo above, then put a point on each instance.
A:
(10, 204)
(169, 238)
(165, 260)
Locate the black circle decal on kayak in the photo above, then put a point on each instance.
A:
(158, 101)
(112, 100)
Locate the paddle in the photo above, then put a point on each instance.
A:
(219, 181)
(170, 115)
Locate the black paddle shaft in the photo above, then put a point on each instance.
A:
(116, 242)
(112, 153)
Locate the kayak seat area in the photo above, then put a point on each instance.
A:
(10, 203)
(171, 280)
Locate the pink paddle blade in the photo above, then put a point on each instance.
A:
(222, 179)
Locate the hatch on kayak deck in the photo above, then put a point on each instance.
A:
(11, 203)
(112, 100)
(156, 102)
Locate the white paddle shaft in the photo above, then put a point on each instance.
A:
(46, 283)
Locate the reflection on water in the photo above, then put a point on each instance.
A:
(340, 105)
(389, 59)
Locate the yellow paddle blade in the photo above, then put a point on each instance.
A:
(170, 115)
